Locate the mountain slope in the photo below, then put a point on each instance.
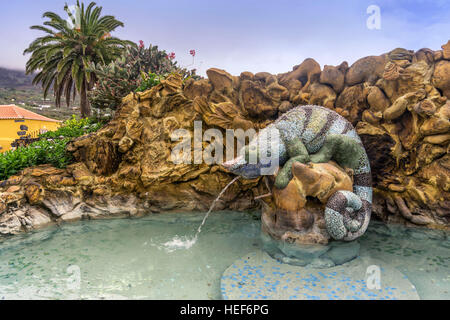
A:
(14, 79)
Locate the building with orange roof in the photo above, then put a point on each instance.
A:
(19, 123)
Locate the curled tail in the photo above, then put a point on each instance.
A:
(347, 214)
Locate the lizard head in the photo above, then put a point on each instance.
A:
(249, 163)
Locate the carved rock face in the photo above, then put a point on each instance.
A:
(256, 100)
(334, 76)
(446, 51)
(365, 69)
(441, 77)
(351, 103)
(304, 73)
(220, 79)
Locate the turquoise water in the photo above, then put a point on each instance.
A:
(422, 255)
(127, 259)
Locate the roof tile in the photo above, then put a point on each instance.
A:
(15, 112)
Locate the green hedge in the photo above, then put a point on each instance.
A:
(41, 152)
(51, 149)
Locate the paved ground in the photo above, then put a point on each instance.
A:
(258, 276)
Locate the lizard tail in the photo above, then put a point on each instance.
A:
(347, 213)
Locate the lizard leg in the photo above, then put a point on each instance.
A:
(345, 150)
(297, 152)
(326, 152)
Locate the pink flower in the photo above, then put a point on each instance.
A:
(171, 56)
(192, 53)
(141, 44)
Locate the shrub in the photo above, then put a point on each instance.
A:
(124, 76)
(73, 128)
(51, 149)
(114, 82)
(148, 81)
(41, 152)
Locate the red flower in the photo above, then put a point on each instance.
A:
(171, 56)
(141, 44)
(192, 53)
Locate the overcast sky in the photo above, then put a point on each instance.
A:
(249, 35)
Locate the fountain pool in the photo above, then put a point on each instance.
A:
(128, 258)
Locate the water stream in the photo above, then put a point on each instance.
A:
(185, 242)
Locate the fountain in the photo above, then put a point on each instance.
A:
(310, 227)
(294, 253)
(321, 196)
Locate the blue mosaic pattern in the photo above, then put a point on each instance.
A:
(258, 277)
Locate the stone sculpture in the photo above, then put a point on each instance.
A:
(318, 135)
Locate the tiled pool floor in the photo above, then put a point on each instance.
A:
(258, 276)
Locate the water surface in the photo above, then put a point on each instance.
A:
(127, 259)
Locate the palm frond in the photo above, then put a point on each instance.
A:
(63, 55)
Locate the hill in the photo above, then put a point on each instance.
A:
(16, 88)
(16, 79)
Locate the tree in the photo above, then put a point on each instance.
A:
(62, 56)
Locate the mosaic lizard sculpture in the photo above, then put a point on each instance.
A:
(316, 134)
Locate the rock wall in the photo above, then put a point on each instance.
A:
(399, 103)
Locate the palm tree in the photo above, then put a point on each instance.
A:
(62, 56)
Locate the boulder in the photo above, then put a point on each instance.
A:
(352, 100)
(220, 79)
(296, 213)
(426, 55)
(441, 77)
(412, 78)
(322, 95)
(377, 100)
(247, 75)
(401, 54)
(334, 76)
(303, 72)
(425, 108)
(367, 69)
(256, 100)
(446, 51)
(435, 125)
(198, 88)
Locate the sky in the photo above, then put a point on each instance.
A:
(249, 35)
